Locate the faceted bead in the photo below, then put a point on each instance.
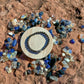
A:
(47, 66)
(48, 25)
(12, 50)
(61, 72)
(14, 43)
(54, 78)
(18, 65)
(38, 67)
(14, 22)
(59, 58)
(46, 61)
(28, 71)
(8, 70)
(82, 26)
(66, 59)
(36, 20)
(1, 53)
(72, 41)
(40, 13)
(23, 16)
(16, 32)
(11, 34)
(15, 59)
(64, 68)
(82, 40)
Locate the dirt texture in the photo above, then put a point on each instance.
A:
(62, 9)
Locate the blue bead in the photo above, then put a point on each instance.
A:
(28, 27)
(13, 35)
(12, 50)
(64, 68)
(60, 75)
(82, 40)
(7, 45)
(51, 32)
(14, 43)
(66, 22)
(48, 25)
(69, 29)
(1, 53)
(67, 47)
(82, 26)
(38, 68)
(72, 41)
(8, 55)
(36, 20)
(70, 51)
(47, 66)
(49, 57)
(40, 13)
(32, 14)
(9, 39)
(16, 28)
(46, 61)
(15, 59)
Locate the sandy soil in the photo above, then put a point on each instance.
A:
(62, 9)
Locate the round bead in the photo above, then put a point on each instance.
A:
(72, 41)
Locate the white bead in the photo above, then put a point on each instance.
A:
(63, 54)
(10, 33)
(67, 60)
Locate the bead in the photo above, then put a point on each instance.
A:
(40, 13)
(12, 50)
(64, 68)
(1, 53)
(48, 25)
(49, 74)
(72, 41)
(61, 72)
(63, 54)
(38, 67)
(82, 26)
(66, 59)
(9, 39)
(59, 58)
(14, 42)
(11, 34)
(15, 59)
(46, 61)
(54, 78)
(36, 20)
(82, 40)
(18, 65)
(14, 22)
(23, 16)
(47, 66)
(16, 28)
(28, 72)
(8, 70)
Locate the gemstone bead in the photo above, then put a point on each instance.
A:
(1, 53)
(47, 66)
(72, 41)
(40, 13)
(82, 40)
(48, 25)
(54, 78)
(64, 68)
(12, 50)
(82, 26)
(14, 43)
